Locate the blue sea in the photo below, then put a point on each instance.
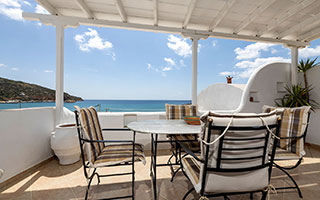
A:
(107, 105)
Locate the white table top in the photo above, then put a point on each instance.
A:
(164, 127)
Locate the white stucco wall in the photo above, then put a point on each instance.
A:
(25, 138)
(313, 76)
(25, 135)
(264, 86)
(220, 97)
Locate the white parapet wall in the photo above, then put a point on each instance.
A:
(25, 134)
(119, 120)
(220, 97)
(25, 138)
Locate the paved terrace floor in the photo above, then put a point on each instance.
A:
(53, 181)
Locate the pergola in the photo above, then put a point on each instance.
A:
(293, 23)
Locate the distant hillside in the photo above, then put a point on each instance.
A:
(20, 91)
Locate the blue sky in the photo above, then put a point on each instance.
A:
(105, 63)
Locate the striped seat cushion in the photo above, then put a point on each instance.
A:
(192, 145)
(119, 153)
(293, 124)
(192, 168)
(282, 154)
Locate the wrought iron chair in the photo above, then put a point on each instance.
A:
(234, 155)
(292, 134)
(178, 112)
(97, 152)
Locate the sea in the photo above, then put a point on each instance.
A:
(106, 105)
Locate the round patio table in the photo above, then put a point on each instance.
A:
(161, 127)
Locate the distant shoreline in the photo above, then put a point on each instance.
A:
(33, 101)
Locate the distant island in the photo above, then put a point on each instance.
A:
(17, 91)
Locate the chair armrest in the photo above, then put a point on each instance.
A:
(186, 149)
(108, 141)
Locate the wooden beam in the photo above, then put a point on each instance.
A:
(52, 10)
(293, 10)
(83, 6)
(192, 5)
(215, 22)
(310, 35)
(300, 26)
(155, 12)
(121, 11)
(254, 14)
(73, 21)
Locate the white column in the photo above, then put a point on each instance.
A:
(194, 69)
(59, 71)
(294, 63)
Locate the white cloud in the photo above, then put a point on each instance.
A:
(27, 3)
(309, 52)
(248, 67)
(227, 73)
(11, 9)
(14, 69)
(252, 51)
(41, 10)
(91, 40)
(181, 62)
(179, 46)
(169, 61)
(166, 69)
(214, 43)
(2, 65)
(48, 71)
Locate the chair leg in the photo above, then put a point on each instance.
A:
(133, 180)
(88, 187)
(292, 179)
(185, 196)
(264, 195)
(251, 196)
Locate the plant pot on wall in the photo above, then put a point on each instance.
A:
(65, 143)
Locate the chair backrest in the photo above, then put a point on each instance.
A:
(89, 129)
(294, 123)
(235, 152)
(175, 112)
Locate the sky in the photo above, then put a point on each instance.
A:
(106, 63)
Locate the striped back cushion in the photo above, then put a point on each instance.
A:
(179, 111)
(293, 123)
(92, 131)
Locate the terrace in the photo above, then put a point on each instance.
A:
(54, 181)
(31, 171)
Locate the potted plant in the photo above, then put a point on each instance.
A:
(297, 95)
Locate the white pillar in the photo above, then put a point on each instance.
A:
(294, 64)
(59, 71)
(194, 70)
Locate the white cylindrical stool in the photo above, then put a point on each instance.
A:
(65, 143)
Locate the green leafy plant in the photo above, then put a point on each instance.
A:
(296, 96)
(304, 66)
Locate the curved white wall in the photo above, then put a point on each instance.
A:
(264, 86)
(220, 96)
